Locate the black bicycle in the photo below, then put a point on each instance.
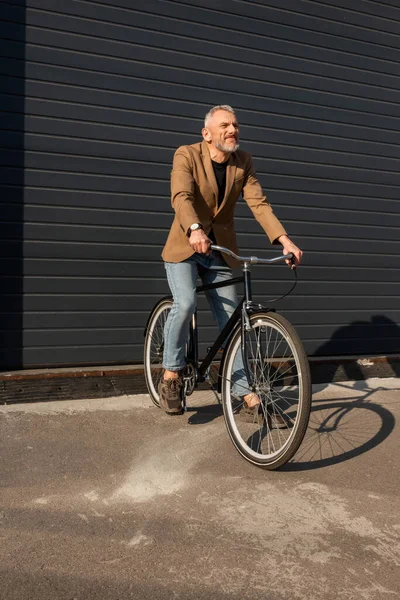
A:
(262, 354)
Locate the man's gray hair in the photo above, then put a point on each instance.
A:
(214, 109)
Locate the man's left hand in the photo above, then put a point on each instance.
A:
(289, 246)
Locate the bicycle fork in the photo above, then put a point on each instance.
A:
(246, 327)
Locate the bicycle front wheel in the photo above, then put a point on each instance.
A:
(154, 347)
(278, 367)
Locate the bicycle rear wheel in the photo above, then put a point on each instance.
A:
(154, 347)
(281, 378)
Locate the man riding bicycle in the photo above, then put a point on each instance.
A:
(207, 179)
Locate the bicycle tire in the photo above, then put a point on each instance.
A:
(154, 347)
(281, 378)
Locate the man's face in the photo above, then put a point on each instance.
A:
(223, 131)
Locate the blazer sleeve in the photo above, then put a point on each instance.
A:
(260, 207)
(182, 189)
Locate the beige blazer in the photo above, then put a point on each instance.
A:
(194, 197)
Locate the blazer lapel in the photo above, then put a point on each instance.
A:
(209, 171)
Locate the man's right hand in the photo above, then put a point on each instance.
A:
(199, 242)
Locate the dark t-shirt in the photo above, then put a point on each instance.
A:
(220, 176)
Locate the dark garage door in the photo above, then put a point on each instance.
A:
(95, 98)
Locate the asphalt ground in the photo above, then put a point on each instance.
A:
(113, 499)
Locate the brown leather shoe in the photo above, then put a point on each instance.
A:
(251, 414)
(276, 420)
(255, 414)
(170, 394)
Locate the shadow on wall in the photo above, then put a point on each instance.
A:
(379, 336)
(12, 147)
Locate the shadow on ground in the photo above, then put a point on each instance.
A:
(342, 428)
(339, 429)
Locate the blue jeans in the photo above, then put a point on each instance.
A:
(223, 301)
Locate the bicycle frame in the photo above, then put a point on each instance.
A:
(243, 309)
(223, 335)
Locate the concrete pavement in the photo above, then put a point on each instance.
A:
(113, 499)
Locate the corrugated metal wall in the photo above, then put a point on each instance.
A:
(95, 98)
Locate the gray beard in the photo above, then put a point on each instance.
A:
(226, 148)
